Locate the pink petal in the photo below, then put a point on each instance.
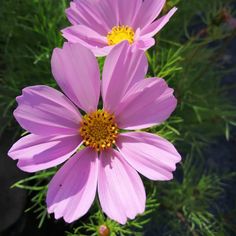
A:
(121, 191)
(151, 155)
(143, 44)
(98, 15)
(148, 12)
(157, 25)
(102, 52)
(88, 38)
(147, 103)
(72, 190)
(76, 71)
(38, 153)
(72, 14)
(127, 11)
(45, 111)
(121, 70)
(109, 11)
(85, 36)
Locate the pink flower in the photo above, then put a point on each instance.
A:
(110, 159)
(100, 24)
(231, 22)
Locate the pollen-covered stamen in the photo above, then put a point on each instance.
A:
(99, 130)
(120, 33)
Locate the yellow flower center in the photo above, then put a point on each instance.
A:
(99, 130)
(120, 33)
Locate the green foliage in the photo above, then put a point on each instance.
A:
(136, 226)
(37, 187)
(188, 55)
(192, 202)
(28, 35)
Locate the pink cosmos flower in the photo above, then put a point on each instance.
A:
(100, 24)
(109, 159)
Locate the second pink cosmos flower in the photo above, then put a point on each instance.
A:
(59, 124)
(101, 24)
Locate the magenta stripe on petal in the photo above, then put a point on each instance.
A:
(97, 15)
(147, 103)
(151, 155)
(72, 14)
(122, 69)
(72, 190)
(45, 111)
(38, 153)
(128, 10)
(148, 12)
(120, 188)
(84, 35)
(76, 71)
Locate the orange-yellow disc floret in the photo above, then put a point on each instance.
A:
(99, 130)
(120, 33)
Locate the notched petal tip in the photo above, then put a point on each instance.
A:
(25, 168)
(151, 155)
(10, 153)
(120, 188)
(174, 9)
(72, 190)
